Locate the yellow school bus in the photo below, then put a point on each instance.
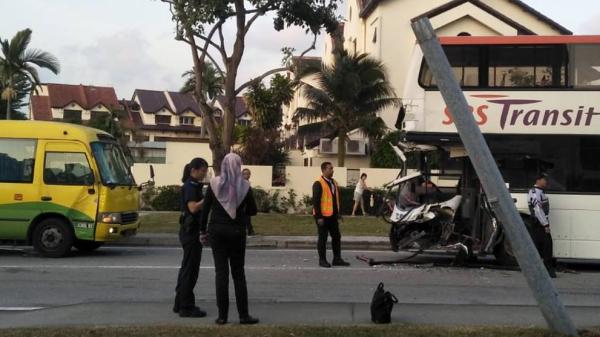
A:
(64, 185)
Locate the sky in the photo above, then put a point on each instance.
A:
(129, 44)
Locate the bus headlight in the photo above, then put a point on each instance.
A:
(110, 217)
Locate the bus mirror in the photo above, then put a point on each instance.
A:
(151, 172)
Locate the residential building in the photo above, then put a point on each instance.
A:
(72, 103)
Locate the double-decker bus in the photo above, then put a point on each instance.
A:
(536, 99)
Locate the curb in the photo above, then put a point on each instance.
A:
(258, 242)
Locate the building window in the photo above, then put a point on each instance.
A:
(186, 120)
(148, 152)
(375, 35)
(72, 116)
(67, 168)
(162, 119)
(98, 115)
(244, 122)
(17, 160)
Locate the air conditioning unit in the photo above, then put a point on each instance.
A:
(328, 146)
(355, 147)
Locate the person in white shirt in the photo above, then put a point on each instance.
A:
(539, 207)
(361, 186)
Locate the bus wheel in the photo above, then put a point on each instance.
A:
(86, 245)
(504, 253)
(53, 238)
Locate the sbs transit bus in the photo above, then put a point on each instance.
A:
(536, 99)
(63, 185)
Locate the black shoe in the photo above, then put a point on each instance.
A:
(248, 320)
(341, 263)
(221, 321)
(176, 309)
(194, 312)
(552, 273)
(324, 264)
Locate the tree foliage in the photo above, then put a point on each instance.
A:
(199, 23)
(349, 95)
(18, 67)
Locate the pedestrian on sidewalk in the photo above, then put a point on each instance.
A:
(248, 219)
(327, 212)
(228, 200)
(359, 191)
(189, 237)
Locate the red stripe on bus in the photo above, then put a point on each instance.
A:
(520, 39)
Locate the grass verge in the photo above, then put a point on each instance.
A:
(299, 331)
(274, 224)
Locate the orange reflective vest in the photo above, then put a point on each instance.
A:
(327, 198)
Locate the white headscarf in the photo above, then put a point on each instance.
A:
(229, 187)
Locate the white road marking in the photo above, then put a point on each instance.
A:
(257, 268)
(20, 308)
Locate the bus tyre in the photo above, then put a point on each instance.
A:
(504, 253)
(53, 237)
(87, 245)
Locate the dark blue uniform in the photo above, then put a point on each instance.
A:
(189, 236)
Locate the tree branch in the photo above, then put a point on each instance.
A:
(257, 13)
(220, 49)
(311, 47)
(210, 57)
(222, 40)
(260, 78)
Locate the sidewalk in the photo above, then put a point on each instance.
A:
(266, 242)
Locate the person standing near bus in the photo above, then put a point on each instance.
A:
(361, 186)
(327, 212)
(189, 236)
(228, 201)
(246, 174)
(539, 207)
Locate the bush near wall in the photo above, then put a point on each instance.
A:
(168, 198)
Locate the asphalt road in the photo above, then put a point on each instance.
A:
(135, 285)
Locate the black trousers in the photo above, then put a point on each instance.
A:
(543, 243)
(330, 227)
(188, 273)
(228, 242)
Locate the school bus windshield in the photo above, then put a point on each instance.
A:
(112, 164)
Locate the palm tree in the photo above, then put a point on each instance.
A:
(18, 61)
(347, 96)
(213, 81)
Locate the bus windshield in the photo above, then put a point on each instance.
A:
(112, 164)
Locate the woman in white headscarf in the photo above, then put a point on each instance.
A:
(228, 200)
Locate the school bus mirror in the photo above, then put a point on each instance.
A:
(152, 172)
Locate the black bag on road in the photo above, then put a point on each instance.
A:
(382, 305)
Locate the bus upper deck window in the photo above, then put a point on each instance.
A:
(465, 65)
(586, 72)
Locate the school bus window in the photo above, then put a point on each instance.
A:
(17, 160)
(67, 168)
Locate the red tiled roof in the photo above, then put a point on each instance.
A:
(88, 97)
(40, 108)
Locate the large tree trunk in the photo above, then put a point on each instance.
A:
(8, 107)
(9, 94)
(341, 148)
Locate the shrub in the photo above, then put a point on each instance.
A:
(289, 203)
(168, 198)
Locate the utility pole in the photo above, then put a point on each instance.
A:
(493, 184)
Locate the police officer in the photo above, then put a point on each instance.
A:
(539, 207)
(189, 236)
(326, 210)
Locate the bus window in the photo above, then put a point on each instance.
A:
(586, 70)
(17, 160)
(465, 64)
(527, 66)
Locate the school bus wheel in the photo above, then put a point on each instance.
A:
(53, 237)
(86, 245)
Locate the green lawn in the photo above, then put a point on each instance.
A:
(274, 224)
(274, 331)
